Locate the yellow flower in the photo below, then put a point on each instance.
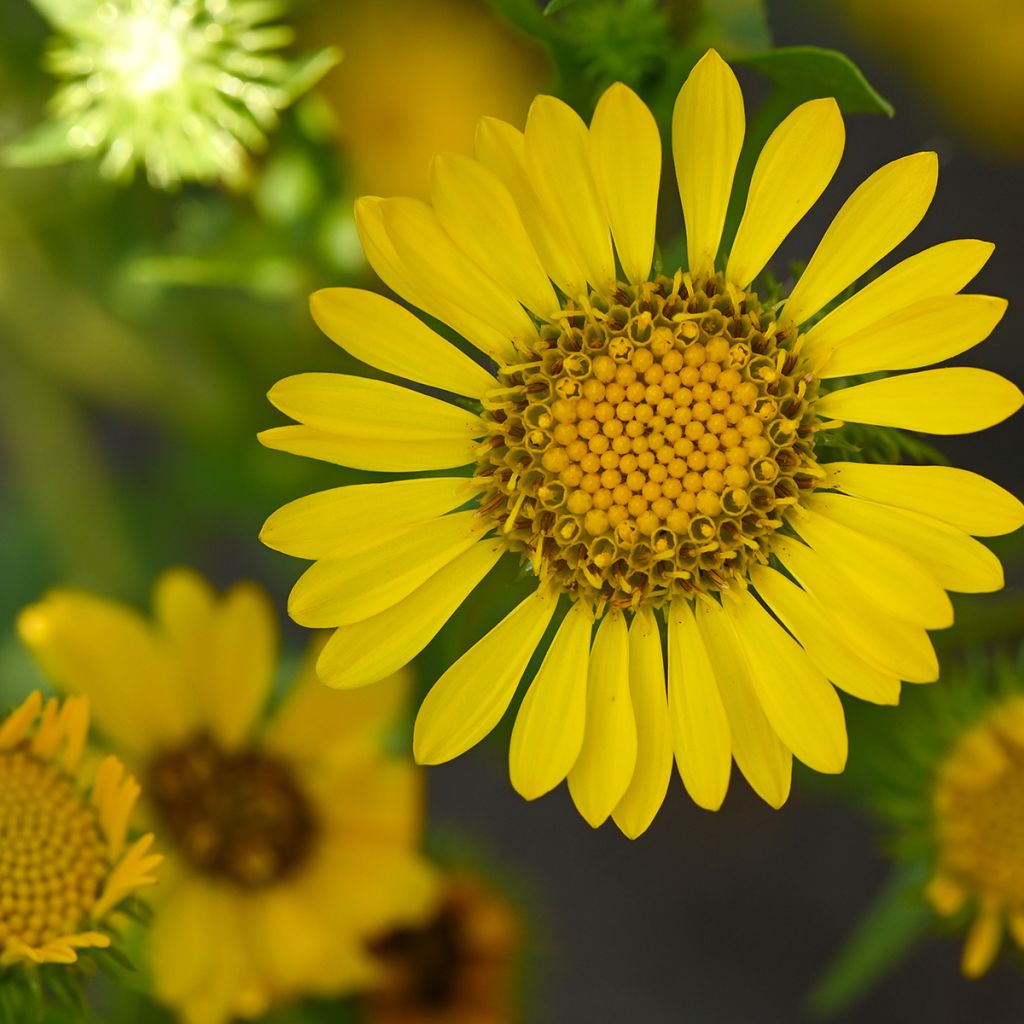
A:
(289, 841)
(457, 968)
(978, 810)
(646, 445)
(65, 862)
(417, 75)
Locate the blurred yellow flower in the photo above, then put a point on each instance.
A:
(645, 445)
(65, 863)
(457, 968)
(289, 841)
(971, 60)
(416, 76)
(978, 808)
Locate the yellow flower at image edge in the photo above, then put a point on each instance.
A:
(65, 863)
(289, 842)
(646, 445)
(978, 811)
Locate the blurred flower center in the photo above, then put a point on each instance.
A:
(52, 857)
(150, 57)
(652, 442)
(239, 815)
(979, 808)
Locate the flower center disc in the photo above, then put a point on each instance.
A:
(52, 856)
(652, 443)
(238, 815)
(979, 804)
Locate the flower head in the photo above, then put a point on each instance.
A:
(458, 967)
(290, 841)
(185, 88)
(65, 858)
(650, 447)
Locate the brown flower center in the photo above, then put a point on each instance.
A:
(239, 815)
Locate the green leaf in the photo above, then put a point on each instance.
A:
(558, 5)
(802, 73)
(893, 924)
(43, 146)
(734, 26)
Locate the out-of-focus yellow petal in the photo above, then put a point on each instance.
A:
(927, 332)
(479, 213)
(871, 223)
(384, 334)
(625, 153)
(353, 587)
(318, 525)
(467, 702)
(961, 498)
(983, 942)
(607, 760)
(700, 728)
(708, 124)
(951, 400)
(795, 166)
(372, 648)
(646, 793)
(548, 732)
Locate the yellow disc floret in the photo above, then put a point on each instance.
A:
(64, 863)
(652, 444)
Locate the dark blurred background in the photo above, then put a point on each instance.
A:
(137, 338)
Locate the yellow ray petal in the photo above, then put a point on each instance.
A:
(896, 584)
(232, 678)
(558, 165)
(607, 759)
(372, 648)
(700, 728)
(822, 639)
(467, 702)
(872, 222)
(99, 648)
(961, 498)
(479, 213)
(439, 267)
(951, 400)
(371, 409)
(548, 732)
(954, 559)
(795, 166)
(385, 335)
(983, 942)
(927, 332)
(646, 793)
(353, 587)
(799, 701)
(380, 456)
(625, 154)
(393, 270)
(318, 525)
(891, 645)
(764, 760)
(943, 269)
(708, 123)
(502, 150)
